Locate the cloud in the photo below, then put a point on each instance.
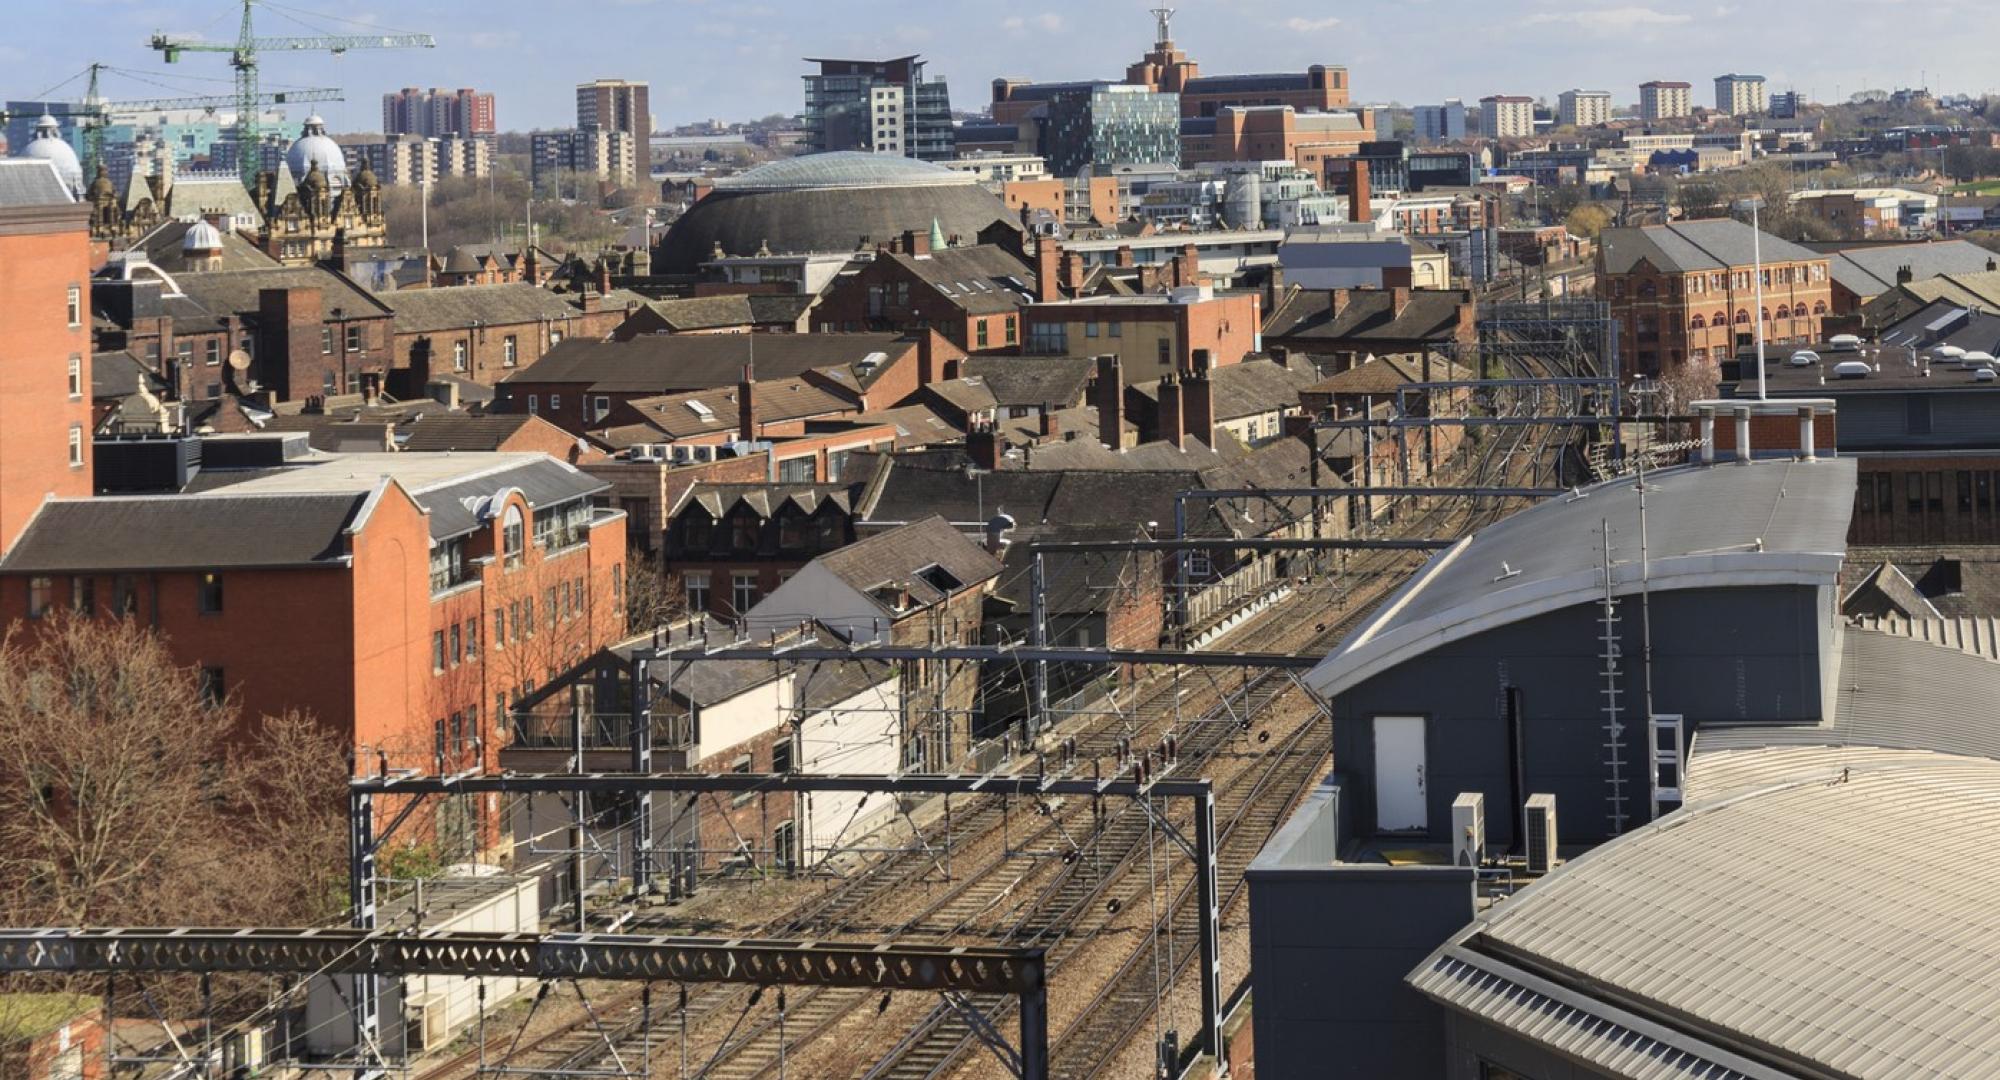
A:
(1616, 20)
(1047, 22)
(1300, 25)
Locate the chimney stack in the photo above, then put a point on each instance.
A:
(1109, 394)
(1905, 274)
(1124, 256)
(1172, 418)
(1072, 273)
(1337, 302)
(1048, 280)
(746, 405)
(982, 445)
(1050, 427)
(916, 242)
(1198, 401)
(1359, 197)
(1400, 297)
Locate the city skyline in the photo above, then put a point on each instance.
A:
(731, 62)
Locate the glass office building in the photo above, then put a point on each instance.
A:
(1111, 124)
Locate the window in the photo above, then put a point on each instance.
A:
(1913, 491)
(600, 407)
(555, 337)
(75, 376)
(1090, 329)
(1114, 329)
(184, 351)
(211, 593)
(568, 601)
(1964, 492)
(979, 334)
(510, 350)
(76, 446)
(549, 602)
(798, 470)
(513, 533)
(125, 594)
(784, 846)
(353, 338)
(1934, 492)
(457, 645)
(326, 341)
(437, 652)
(555, 402)
(212, 686)
(532, 410)
(743, 590)
(40, 591)
(1166, 354)
(696, 582)
(447, 565)
(781, 756)
(75, 306)
(83, 593)
(617, 582)
(1049, 339)
(741, 766)
(1011, 332)
(499, 628)
(212, 352)
(458, 356)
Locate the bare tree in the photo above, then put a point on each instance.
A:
(653, 597)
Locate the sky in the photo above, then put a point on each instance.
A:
(741, 59)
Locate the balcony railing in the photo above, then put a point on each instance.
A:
(601, 731)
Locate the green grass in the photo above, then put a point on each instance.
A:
(1982, 187)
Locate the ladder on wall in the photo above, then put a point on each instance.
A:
(1609, 653)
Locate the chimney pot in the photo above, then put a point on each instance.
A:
(1109, 393)
(1172, 416)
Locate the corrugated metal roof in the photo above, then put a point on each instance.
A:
(1978, 636)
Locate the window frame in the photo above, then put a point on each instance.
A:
(209, 597)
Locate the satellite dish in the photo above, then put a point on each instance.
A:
(239, 359)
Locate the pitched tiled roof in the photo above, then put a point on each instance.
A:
(1385, 375)
(162, 247)
(699, 412)
(968, 395)
(980, 280)
(181, 532)
(1306, 316)
(1871, 270)
(1713, 244)
(444, 431)
(1250, 388)
(1033, 380)
(767, 499)
(704, 312)
(224, 291)
(420, 311)
(898, 557)
(667, 363)
(31, 182)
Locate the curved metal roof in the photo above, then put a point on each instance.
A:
(844, 169)
(826, 218)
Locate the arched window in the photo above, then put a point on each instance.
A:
(1742, 317)
(1784, 311)
(1647, 290)
(1764, 313)
(1697, 323)
(513, 535)
(1819, 307)
(1720, 318)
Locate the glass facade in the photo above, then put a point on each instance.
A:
(1109, 125)
(840, 108)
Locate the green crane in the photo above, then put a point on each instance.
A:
(96, 114)
(243, 57)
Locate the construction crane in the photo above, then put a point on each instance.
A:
(243, 57)
(95, 114)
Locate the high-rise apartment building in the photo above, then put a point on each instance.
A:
(1583, 108)
(880, 106)
(586, 154)
(1506, 116)
(1439, 123)
(616, 105)
(1785, 104)
(1660, 100)
(465, 113)
(405, 160)
(1739, 95)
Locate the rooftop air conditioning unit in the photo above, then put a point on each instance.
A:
(1468, 829)
(1539, 823)
(683, 454)
(1851, 369)
(701, 454)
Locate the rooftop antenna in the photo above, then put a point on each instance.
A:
(1164, 16)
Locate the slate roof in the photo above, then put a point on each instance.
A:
(1385, 375)
(1251, 388)
(1870, 271)
(673, 415)
(1034, 380)
(119, 374)
(916, 425)
(443, 431)
(1306, 318)
(32, 182)
(162, 247)
(982, 279)
(1713, 244)
(704, 312)
(766, 499)
(897, 557)
(454, 307)
(177, 532)
(666, 363)
(968, 395)
(200, 196)
(1085, 452)
(225, 291)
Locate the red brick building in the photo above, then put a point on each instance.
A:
(1153, 335)
(486, 332)
(401, 599)
(45, 350)
(1684, 293)
(971, 295)
(1276, 133)
(1168, 69)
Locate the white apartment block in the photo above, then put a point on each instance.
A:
(1583, 108)
(885, 119)
(1439, 123)
(1506, 116)
(1739, 95)
(1665, 100)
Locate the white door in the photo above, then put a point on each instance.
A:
(1399, 774)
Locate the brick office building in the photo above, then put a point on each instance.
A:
(1683, 293)
(439, 587)
(486, 332)
(971, 295)
(1274, 133)
(45, 351)
(1153, 335)
(1318, 88)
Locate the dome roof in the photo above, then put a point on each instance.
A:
(201, 236)
(844, 169)
(830, 203)
(49, 145)
(313, 147)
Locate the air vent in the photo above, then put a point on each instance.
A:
(1539, 823)
(1468, 829)
(1851, 369)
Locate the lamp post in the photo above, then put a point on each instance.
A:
(1757, 281)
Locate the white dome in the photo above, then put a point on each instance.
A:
(314, 146)
(201, 236)
(48, 145)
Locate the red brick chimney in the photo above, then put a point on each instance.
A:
(604, 275)
(746, 405)
(1337, 302)
(1198, 400)
(982, 445)
(1189, 265)
(1048, 283)
(1359, 202)
(1401, 299)
(1050, 426)
(1072, 273)
(1468, 323)
(1124, 257)
(916, 243)
(1108, 394)
(1172, 418)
